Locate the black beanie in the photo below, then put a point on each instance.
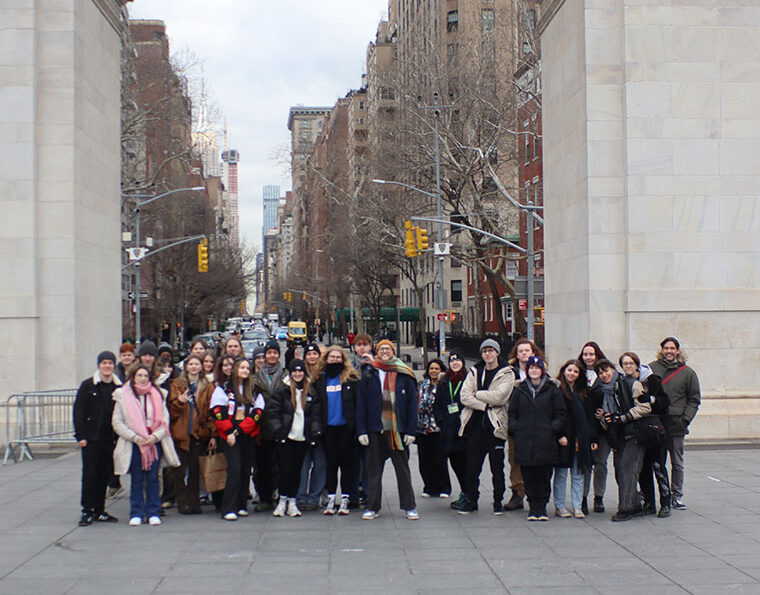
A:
(104, 355)
(297, 364)
(272, 344)
(147, 348)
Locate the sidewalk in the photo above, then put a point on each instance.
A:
(713, 547)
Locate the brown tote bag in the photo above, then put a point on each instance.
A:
(213, 467)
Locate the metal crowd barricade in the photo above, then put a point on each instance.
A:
(42, 417)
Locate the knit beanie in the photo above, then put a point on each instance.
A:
(165, 348)
(384, 342)
(147, 348)
(297, 364)
(105, 355)
(272, 344)
(490, 343)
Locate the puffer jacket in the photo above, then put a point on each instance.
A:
(537, 423)
(280, 411)
(493, 401)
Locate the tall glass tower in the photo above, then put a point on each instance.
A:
(271, 201)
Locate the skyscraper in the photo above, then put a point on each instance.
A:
(271, 202)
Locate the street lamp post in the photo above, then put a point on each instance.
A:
(138, 205)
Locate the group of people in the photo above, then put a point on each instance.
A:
(318, 433)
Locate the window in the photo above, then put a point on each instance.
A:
(456, 290)
(506, 310)
(452, 21)
(510, 269)
(527, 144)
(361, 105)
(489, 19)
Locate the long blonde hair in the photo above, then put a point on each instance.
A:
(348, 372)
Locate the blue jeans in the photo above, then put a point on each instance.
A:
(144, 500)
(576, 485)
(313, 475)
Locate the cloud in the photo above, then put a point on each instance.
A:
(260, 58)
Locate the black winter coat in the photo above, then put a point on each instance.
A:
(93, 408)
(572, 432)
(280, 409)
(448, 422)
(537, 423)
(348, 393)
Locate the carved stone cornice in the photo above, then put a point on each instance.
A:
(111, 10)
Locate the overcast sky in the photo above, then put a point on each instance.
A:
(262, 57)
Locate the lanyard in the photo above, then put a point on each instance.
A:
(456, 390)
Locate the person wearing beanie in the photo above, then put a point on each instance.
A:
(485, 396)
(446, 409)
(295, 417)
(94, 434)
(267, 380)
(147, 354)
(537, 420)
(258, 358)
(335, 385)
(126, 357)
(386, 421)
(311, 354)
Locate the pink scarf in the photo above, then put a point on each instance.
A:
(137, 422)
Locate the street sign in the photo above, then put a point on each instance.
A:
(523, 304)
(442, 248)
(143, 295)
(136, 253)
(443, 316)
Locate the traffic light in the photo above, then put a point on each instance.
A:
(303, 297)
(409, 242)
(203, 256)
(422, 239)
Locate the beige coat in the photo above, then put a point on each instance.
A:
(122, 454)
(494, 401)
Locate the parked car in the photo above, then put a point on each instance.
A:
(261, 337)
(282, 333)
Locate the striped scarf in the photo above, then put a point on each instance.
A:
(392, 368)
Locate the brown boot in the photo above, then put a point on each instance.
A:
(515, 502)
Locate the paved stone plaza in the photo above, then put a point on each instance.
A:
(713, 547)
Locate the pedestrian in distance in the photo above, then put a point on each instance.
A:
(522, 350)
(93, 408)
(623, 401)
(537, 420)
(237, 413)
(681, 384)
(141, 420)
(336, 385)
(432, 461)
(582, 440)
(295, 415)
(589, 355)
(386, 421)
(485, 396)
(447, 408)
(191, 428)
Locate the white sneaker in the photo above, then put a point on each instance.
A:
(242, 512)
(343, 510)
(370, 515)
(135, 521)
(282, 506)
(330, 508)
(413, 515)
(154, 521)
(293, 508)
(230, 516)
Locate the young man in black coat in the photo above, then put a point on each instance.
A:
(93, 408)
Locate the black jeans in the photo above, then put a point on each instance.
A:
(479, 443)
(188, 494)
(264, 472)
(432, 461)
(654, 462)
(537, 486)
(458, 461)
(97, 467)
(290, 457)
(239, 458)
(379, 452)
(339, 447)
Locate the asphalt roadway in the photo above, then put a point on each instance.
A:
(713, 547)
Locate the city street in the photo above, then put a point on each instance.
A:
(713, 547)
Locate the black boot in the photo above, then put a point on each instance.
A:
(515, 502)
(584, 505)
(598, 504)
